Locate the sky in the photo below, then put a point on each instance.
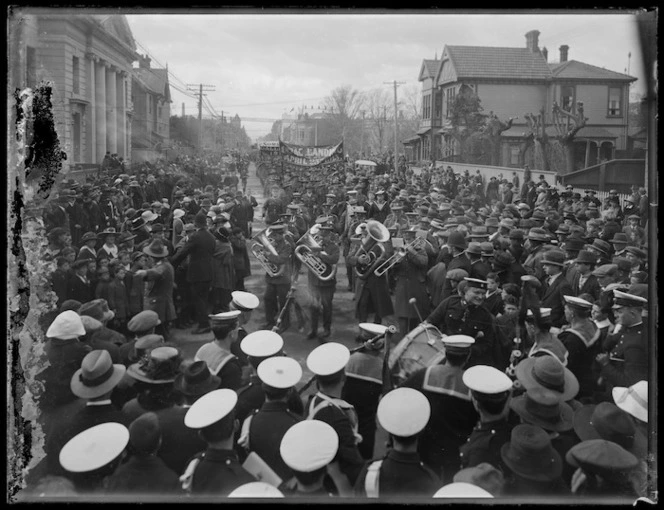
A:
(264, 65)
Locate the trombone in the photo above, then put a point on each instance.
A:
(378, 234)
(398, 256)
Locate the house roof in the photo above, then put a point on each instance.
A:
(154, 80)
(575, 70)
(429, 69)
(584, 132)
(637, 132)
(117, 26)
(498, 63)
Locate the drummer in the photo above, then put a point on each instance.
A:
(364, 382)
(452, 413)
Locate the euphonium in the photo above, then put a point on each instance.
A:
(378, 234)
(259, 248)
(303, 251)
(398, 256)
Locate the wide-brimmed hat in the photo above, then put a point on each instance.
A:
(601, 246)
(530, 455)
(607, 421)
(633, 400)
(88, 236)
(161, 366)
(602, 457)
(544, 408)
(110, 231)
(156, 249)
(97, 375)
(549, 373)
(97, 309)
(196, 379)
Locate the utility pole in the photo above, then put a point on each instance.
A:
(201, 88)
(362, 137)
(396, 125)
(183, 110)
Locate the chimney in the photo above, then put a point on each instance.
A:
(532, 40)
(144, 62)
(545, 53)
(563, 53)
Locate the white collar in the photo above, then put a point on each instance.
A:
(106, 402)
(602, 324)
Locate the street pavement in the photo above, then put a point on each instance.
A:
(344, 324)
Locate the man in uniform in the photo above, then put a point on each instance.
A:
(245, 302)
(277, 287)
(396, 218)
(490, 392)
(273, 207)
(452, 413)
(322, 291)
(467, 315)
(216, 471)
(535, 248)
(457, 245)
(216, 353)
(401, 472)
(328, 362)
(627, 362)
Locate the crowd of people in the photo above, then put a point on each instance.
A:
(538, 295)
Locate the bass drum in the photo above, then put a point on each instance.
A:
(421, 348)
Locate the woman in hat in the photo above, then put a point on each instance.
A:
(79, 285)
(57, 241)
(109, 249)
(88, 250)
(223, 270)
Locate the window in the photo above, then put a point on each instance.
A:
(567, 94)
(76, 75)
(615, 103)
(450, 96)
(31, 65)
(438, 104)
(514, 155)
(149, 104)
(426, 107)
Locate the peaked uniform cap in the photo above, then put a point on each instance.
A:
(487, 380)
(279, 372)
(309, 445)
(462, 490)
(210, 408)
(404, 412)
(244, 301)
(94, 448)
(623, 299)
(328, 358)
(262, 343)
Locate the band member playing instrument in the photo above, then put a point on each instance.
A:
(276, 287)
(397, 218)
(322, 291)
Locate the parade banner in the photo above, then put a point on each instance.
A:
(301, 155)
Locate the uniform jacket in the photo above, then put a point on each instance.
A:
(629, 358)
(143, 474)
(283, 260)
(118, 299)
(484, 444)
(435, 282)
(178, 442)
(219, 473)
(200, 248)
(582, 344)
(330, 256)
(411, 283)
(376, 286)
(251, 397)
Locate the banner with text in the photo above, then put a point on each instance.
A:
(301, 155)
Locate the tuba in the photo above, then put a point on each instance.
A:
(303, 251)
(378, 234)
(259, 249)
(398, 256)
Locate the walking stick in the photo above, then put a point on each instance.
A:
(387, 376)
(289, 298)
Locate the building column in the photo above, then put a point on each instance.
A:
(91, 121)
(100, 110)
(587, 153)
(121, 114)
(111, 111)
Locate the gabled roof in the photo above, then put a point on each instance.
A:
(497, 63)
(429, 69)
(154, 80)
(117, 26)
(575, 70)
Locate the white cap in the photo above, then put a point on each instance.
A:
(328, 358)
(225, 316)
(66, 326)
(460, 341)
(262, 343)
(359, 228)
(256, 490)
(280, 372)
(309, 445)
(211, 214)
(575, 301)
(404, 412)
(486, 379)
(149, 216)
(544, 312)
(374, 329)
(90, 323)
(210, 408)
(244, 300)
(633, 400)
(94, 448)
(178, 213)
(462, 490)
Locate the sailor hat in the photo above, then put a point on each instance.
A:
(256, 490)
(261, 344)
(544, 312)
(328, 358)
(404, 412)
(309, 445)
(225, 317)
(280, 372)
(576, 302)
(486, 379)
(94, 448)
(462, 490)
(210, 408)
(244, 301)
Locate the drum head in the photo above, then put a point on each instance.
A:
(374, 329)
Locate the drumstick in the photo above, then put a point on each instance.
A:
(413, 301)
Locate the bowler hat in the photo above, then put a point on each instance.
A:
(97, 309)
(97, 375)
(619, 238)
(530, 455)
(503, 260)
(554, 257)
(457, 240)
(573, 244)
(586, 257)
(196, 379)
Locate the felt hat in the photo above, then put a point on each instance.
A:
(210, 408)
(67, 325)
(402, 402)
(538, 234)
(549, 373)
(279, 372)
(633, 400)
(456, 274)
(637, 252)
(457, 240)
(156, 228)
(619, 238)
(462, 490)
(482, 475)
(601, 246)
(196, 379)
(143, 321)
(94, 448)
(573, 244)
(161, 366)
(554, 257)
(156, 249)
(145, 433)
(606, 270)
(474, 248)
(262, 343)
(97, 375)
(256, 490)
(328, 358)
(602, 457)
(309, 445)
(586, 257)
(88, 236)
(530, 455)
(147, 342)
(97, 309)
(544, 408)
(487, 249)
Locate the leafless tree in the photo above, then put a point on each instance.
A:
(568, 124)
